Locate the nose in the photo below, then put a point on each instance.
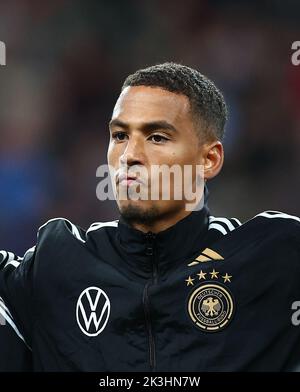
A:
(133, 153)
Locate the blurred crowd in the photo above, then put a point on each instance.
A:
(66, 61)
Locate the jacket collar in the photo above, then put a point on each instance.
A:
(167, 248)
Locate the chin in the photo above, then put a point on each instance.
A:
(139, 212)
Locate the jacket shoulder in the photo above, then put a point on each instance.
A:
(61, 227)
(278, 217)
(277, 220)
(263, 224)
(286, 225)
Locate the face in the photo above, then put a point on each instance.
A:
(151, 126)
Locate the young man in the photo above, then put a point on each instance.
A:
(163, 288)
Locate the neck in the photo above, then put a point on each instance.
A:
(162, 223)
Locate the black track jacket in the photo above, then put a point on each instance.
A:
(207, 294)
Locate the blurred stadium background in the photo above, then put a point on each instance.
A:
(66, 61)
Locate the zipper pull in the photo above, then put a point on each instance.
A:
(149, 243)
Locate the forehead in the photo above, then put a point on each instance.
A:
(143, 103)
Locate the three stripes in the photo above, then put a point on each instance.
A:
(6, 317)
(223, 225)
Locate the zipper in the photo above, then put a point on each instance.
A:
(150, 251)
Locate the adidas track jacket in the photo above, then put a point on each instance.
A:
(207, 294)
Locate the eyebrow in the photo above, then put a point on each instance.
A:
(146, 127)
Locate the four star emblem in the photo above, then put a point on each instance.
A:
(213, 274)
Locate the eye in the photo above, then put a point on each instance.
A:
(119, 136)
(158, 139)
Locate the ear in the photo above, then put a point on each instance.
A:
(212, 159)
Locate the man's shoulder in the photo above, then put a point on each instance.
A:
(272, 216)
(60, 227)
(63, 228)
(269, 234)
(275, 220)
(265, 224)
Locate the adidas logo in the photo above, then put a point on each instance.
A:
(207, 255)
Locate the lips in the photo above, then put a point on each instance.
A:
(125, 179)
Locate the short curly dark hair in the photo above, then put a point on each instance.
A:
(206, 100)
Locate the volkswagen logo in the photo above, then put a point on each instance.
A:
(92, 311)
